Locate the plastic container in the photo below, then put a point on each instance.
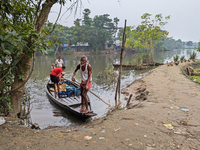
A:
(77, 92)
(64, 94)
(69, 94)
(70, 88)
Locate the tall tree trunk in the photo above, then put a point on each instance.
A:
(25, 63)
(151, 57)
(16, 96)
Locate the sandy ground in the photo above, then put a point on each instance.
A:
(165, 90)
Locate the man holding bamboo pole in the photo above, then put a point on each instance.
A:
(86, 81)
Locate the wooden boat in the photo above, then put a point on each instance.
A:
(142, 66)
(71, 104)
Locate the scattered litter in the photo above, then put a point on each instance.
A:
(15, 142)
(103, 130)
(174, 117)
(61, 135)
(177, 132)
(116, 129)
(2, 120)
(184, 109)
(171, 107)
(87, 138)
(102, 138)
(136, 124)
(168, 126)
(65, 131)
(9, 122)
(127, 139)
(93, 133)
(145, 136)
(130, 145)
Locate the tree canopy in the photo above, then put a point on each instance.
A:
(95, 31)
(23, 31)
(148, 33)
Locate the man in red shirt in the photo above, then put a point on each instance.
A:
(53, 76)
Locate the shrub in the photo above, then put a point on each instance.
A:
(193, 55)
(182, 58)
(175, 58)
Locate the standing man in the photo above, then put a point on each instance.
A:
(86, 81)
(59, 62)
(53, 76)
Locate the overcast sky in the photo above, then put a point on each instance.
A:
(184, 23)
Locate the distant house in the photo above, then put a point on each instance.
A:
(65, 47)
(115, 46)
(80, 46)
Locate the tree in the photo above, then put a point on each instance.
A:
(86, 19)
(189, 43)
(148, 33)
(23, 30)
(198, 47)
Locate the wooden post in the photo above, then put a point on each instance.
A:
(120, 69)
(129, 100)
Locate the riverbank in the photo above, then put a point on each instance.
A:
(144, 126)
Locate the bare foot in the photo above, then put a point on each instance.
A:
(82, 110)
(86, 111)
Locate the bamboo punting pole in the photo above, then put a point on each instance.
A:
(120, 70)
(98, 97)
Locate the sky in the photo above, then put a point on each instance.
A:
(184, 23)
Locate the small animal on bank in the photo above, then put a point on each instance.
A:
(188, 60)
(171, 63)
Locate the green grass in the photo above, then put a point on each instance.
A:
(197, 70)
(195, 78)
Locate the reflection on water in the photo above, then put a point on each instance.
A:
(46, 113)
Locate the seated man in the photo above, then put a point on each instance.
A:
(53, 76)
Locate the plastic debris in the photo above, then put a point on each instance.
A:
(2, 120)
(184, 109)
(102, 138)
(116, 129)
(103, 130)
(145, 136)
(87, 138)
(136, 124)
(168, 126)
(177, 132)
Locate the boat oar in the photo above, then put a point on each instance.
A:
(98, 97)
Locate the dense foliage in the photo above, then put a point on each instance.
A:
(23, 30)
(95, 31)
(148, 34)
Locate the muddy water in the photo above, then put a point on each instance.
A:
(46, 113)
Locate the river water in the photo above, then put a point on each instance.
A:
(45, 113)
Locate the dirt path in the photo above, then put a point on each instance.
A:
(141, 127)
